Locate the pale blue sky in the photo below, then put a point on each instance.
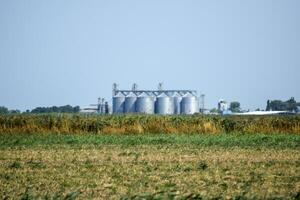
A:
(70, 52)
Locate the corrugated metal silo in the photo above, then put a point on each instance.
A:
(177, 103)
(145, 104)
(169, 93)
(102, 108)
(130, 101)
(118, 103)
(164, 105)
(189, 104)
(106, 108)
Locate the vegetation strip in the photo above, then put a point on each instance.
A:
(276, 141)
(140, 124)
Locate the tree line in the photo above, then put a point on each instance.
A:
(278, 105)
(52, 109)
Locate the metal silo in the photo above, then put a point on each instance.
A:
(164, 105)
(145, 104)
(130, 100)
(177, 103)
(189, 104)
(118, 103)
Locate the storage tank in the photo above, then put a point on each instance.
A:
(106, 108)
(130, 101)
(177, 101)
(102, 108)
(145, 104)
(118, 103)
(164, 105)
(189, 104)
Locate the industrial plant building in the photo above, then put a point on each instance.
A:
(160, 101)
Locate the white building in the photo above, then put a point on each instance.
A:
(223, 105)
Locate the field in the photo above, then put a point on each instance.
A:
(149, 157)
(178, 166)
(141, 124)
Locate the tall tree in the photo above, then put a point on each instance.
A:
(235, 106)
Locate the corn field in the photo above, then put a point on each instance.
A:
(139, 124)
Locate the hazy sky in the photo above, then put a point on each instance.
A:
(62, 52)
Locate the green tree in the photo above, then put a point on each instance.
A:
(76, 109)
(14, 111)
(291, 104)
(235, 106)
(56, 109)
(278, 105)
(3, 110)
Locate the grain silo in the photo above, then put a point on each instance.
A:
(177, 103)
(189, 104)
(160, 101)
(164, 105)
(118, 103)
(130, 103)
(145, 104)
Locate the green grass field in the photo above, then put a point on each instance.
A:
(160, 166)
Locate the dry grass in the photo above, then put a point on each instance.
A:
(128, 124)
(148, 171)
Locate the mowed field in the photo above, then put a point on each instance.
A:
(150, 166)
